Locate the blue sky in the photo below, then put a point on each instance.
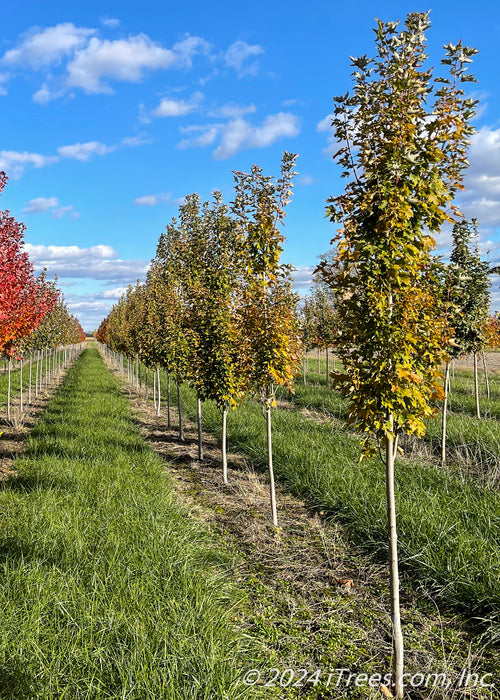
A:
(111, 112)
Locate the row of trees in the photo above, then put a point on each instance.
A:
(398, 315)
(25, 298)
(34, 318)
(217, 308)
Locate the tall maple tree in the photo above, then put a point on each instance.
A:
(403, 139)
(269, 327)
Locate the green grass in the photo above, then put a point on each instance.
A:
(448, 523)
(472, 444)
(108, 589)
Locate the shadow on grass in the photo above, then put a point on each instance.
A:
(28, 482)
(15, 682)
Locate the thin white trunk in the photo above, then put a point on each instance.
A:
(443, 417)
(36, 373)
(158, 392)
(200, 437)
(30, 377)
(486, 376)
(397, 635)
(327, 369)
(272, 490)
(476, 387)
(179, 407)
(21, 385)
(224, 445)
(169, 422)
(8, 388)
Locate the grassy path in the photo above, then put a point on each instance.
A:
(108, 589)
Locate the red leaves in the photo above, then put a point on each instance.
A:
(24, 298)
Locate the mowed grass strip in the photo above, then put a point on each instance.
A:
(108, 589)
(448, 524)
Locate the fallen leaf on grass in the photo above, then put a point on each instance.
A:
(386, 692)
(345, 582)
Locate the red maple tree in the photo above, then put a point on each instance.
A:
(24, 298)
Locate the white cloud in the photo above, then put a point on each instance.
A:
(100, 262)
(481, 199)
(136, 141)
(177, 108)
(232, 110)
(239, 134)
(206, 137)
(127, 60)
(50, 204)
(3, 79)
(122, 59)
(114, 293)
(237, 57)
(14, 162)
(83, 151)
(110, 22)
(302, 276)
(187, 48)
(44, 47)
(325, 124)
(150, 200)
(305, 180)
(40, 204)
(46, 94)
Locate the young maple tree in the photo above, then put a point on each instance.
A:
(213, 296)
(469, 296)
(168, 272)
(269, 329)
(403, 143)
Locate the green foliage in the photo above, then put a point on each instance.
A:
(269, 328)
(403, 146)
(468, 291)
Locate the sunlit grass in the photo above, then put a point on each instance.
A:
(108, 589)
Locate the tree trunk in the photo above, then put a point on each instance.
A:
(224, 444)
(476, 387)
(486, 376)
(179, 407)
(169, 424)
(30, 377)
(146, 385)
(304, 370)
(397, 635)
(200, 438)
(158, 392)
(272, 491)
(8, 388)
(443, 417)
(327, 369)
(319, 360)
(21, 385)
